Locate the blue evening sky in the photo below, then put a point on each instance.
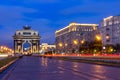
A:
(47, 16)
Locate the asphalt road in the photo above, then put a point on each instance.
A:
(39, 68)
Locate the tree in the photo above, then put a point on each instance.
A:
(117, 47)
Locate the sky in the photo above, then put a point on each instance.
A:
(47, 16)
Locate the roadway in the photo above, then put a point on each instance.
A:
(39, 68)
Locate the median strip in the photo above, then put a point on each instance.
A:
(99, 61)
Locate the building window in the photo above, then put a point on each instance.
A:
(19, 33)
(107, 37)
(107, 40)
(107, 29)
(77, 34)
(104, 24)
(26, 33)
(110, 23)
(78, 29)
(73, 29)
(81, 34)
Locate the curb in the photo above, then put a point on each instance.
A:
(7, 65)
(6, 76)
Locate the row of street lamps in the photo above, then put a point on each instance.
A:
(4, 49)
(97, 45)
(76, 42)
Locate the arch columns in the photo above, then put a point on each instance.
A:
(26, 35)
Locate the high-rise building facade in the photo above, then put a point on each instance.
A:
(73, 36)
(110, 30)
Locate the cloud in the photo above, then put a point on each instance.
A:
(41, 24)
(13, 18)
(12, 13)
(41, 1)
(90, 12)
(45, 30)
(92, 7)
(47, 15)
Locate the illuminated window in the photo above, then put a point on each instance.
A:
(73, 29)
(117, 22)
(107, 37)
(104, 24)
(110, 23)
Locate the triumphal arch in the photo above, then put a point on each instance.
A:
(27, 35)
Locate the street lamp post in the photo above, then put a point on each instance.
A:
(82, 42)
(60, 45)
(75, 42)
(66, 49)
(98, 42)
(98, 37)
(103, 51)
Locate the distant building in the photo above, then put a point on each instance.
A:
(110, 30)
(45, 47)
(73, 36)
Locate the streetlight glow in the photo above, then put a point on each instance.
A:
(4, 49)
(60, 44)
(82, 42)
(75, 42)
(98, 37)
(107, 37)
(66, 44)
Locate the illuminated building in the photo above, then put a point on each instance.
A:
(45, 47)
(73, 36)
(5, 50)
(110, 30)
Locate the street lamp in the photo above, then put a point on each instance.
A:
(66, 44)
(98, 43)
(98, 37)
(103, 49)
(66, 48)
(82, 48)
(60, 45)
(83, 41)
(75, 42)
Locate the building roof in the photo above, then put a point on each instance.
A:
(76, 24)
